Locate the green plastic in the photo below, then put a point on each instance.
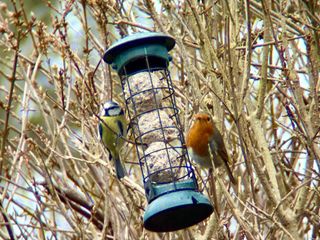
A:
(154, 190)
(127, 55)
(176, 205)
(176, 210)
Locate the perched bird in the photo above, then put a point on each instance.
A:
(203, 138)
(112, 130)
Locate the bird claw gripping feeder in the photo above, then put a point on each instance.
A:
(141, 61)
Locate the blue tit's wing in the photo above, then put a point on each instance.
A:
(121, 128)
(100, 130)
(120, 172)
(121, 131)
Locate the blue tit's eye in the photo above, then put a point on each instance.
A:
(112, 109)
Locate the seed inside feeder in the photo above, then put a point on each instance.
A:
(164, 162)
(144, 90)
(151, 129)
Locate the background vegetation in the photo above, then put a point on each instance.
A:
(253, 65)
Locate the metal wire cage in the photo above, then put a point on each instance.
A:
(142, 61)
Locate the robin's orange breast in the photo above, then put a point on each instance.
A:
(198, 141)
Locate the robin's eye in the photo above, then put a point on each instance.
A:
(208, 119)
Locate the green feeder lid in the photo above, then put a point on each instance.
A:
(128, 52)
(176, 210)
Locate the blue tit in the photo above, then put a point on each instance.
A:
(112, 131)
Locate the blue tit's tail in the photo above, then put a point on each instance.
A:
(119, 168)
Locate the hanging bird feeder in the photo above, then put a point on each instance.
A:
(141, 61)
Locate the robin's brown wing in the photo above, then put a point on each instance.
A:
(221, 148)
(221, 152)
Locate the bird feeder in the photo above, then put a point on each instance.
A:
(174, 202)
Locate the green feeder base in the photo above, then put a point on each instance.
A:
(176, 210)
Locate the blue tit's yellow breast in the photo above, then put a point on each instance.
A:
(112, 133)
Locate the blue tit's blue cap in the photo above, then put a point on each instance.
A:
(109, 104)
